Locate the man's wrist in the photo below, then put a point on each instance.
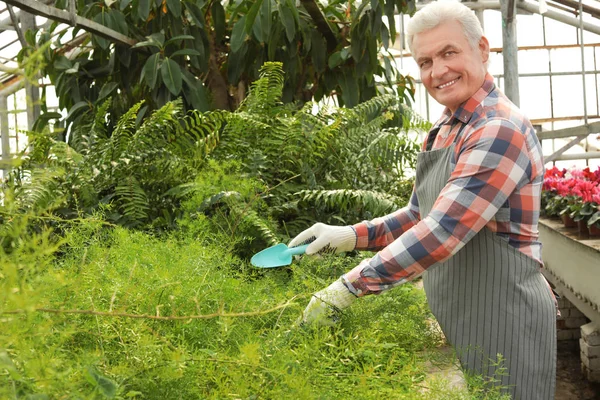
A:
(336, 295)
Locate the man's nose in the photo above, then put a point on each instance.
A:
(438, 69)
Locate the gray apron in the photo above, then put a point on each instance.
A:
(490, 300)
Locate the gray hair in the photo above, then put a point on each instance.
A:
(435, 13)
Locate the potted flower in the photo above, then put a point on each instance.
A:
(582, 207)
(593, 222)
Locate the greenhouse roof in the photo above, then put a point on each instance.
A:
(11, 42)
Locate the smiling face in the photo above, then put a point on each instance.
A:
(451, 70)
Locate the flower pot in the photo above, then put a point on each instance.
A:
(594, 230)
(568, 221)
(583, 227)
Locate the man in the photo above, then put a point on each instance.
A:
(471, 223)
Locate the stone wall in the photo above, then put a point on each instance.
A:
(589, 344)
(570, 321)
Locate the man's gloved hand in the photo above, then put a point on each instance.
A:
(326, 238)
(326, 305)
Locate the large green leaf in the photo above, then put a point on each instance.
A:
(171, 75)
(238, 34)
(334, 60)
(77, 108)
(186, 52)
(63, 63)
(201, 61)
(107, 89)
(120, 22)
(105, 19)
(196, 13)
(318, 51)
(155, 40)
(385, 36)
(178, 38)
(218, 16)
(143, 9)
(350, 89)
(150, 70)
(195, 92)
(157, 37)
(235, 64)
(391, 21)
(174, 7)
(287, 19)
(265, 18)
(251, 16)
(123, 4)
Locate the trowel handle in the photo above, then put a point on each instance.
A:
(297, 250)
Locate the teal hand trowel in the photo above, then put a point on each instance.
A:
(276, 256)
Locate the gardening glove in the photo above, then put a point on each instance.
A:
(326, 305)
(326, 238)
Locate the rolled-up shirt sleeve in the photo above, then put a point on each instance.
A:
(491, 163)
(378, 233)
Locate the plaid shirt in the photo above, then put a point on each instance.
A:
(496, 180)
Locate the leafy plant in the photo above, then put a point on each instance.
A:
(327, 163)
(210, 52)
(129, 168)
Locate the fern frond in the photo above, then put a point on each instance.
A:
(257, 225)
(375, 106)
(42, 192)
(132, 200)
(411, 120)
(344, 200)
(124, 131)
(266, 92)
(199, 134)
(392, 149)
(160, 127)
(64, 154)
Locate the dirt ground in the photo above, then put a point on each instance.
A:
(570, 382)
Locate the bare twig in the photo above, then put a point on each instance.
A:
(154, 317)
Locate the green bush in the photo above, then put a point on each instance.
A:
(69, 327)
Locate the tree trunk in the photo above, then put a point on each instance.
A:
(216, 82)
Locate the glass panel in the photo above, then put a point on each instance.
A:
(567, 93)
(22, 121)
(533, 61)
(496, 64)
(492, 26)
(534, 93)
(530, 31)
(566, 60)
(559, 33)
(23, 141)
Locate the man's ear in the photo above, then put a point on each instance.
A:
(484, 47)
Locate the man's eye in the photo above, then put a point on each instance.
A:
(425, 64)
(449, 53)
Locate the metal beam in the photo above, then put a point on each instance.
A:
(510, 51)
(574, 5)
(38, 8)
(580, 156)
(4, 132)
(32, 90)
(534, 8)
(15, 21)
(6, 23)
(583, 130)
(554, 156)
